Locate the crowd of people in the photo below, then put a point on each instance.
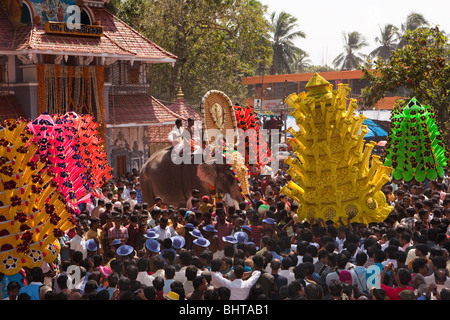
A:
(124, 249)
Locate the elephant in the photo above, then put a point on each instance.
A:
(161, 177)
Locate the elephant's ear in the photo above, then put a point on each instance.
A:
(207, 173)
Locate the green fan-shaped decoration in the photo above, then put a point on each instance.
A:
(415, 148)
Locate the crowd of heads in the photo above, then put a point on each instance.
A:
(124, 249)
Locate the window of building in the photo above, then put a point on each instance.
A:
(85, 18)
(25, 17)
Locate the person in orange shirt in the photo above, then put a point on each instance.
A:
(176, 223)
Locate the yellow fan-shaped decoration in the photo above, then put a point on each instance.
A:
(33, 215)
(332, 178)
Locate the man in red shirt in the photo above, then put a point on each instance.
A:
(257, 229)
(402, 278)
(133, 231)
(223, 227)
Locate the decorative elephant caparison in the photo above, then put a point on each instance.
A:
(161, 177)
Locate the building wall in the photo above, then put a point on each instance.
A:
(27, 96)
(129, 144)
(278, 87)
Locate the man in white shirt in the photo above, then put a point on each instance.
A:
(143, 276)
(228, 201)
(239, 288)
(185, 258)
(286, 271)
(176, 136)
(439, 278)
(341, 263)
(127, 190)
(157, 266)
(132, 199)
(78, 243)
(163, 231)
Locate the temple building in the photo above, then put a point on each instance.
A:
(74, 55)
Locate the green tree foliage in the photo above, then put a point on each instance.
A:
(420, 67)
(282, 32)
(319, 69)
(216, 41)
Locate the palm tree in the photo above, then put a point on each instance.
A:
(301, 62)
(389, 35)
(350, 58)
(284, 51)
(413, 21)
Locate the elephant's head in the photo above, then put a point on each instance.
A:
(221, 177)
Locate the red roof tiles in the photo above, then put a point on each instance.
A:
(6, 31)
(129, 39)
(181, 107)
(140, 109)
(119, 40)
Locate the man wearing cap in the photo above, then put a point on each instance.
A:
(95, 232)
(210, 233)
(153, 247)
(178, 242)
(199, 245)
(125, 251)
(163, 230)
(187, 235)
(91, 248)
(205, 206)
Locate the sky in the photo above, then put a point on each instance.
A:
(324, 21)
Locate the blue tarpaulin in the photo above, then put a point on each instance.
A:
(377, 131)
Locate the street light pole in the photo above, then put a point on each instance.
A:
(284, 112)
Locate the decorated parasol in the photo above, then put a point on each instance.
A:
(415, 147)
(33, 214)
(334, 174)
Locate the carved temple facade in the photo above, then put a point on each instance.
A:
(99, 67)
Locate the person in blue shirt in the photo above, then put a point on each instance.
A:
(32, 289)
(5, 280)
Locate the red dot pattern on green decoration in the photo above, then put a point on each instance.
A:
(415, 148)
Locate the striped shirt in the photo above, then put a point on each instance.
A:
(121, 233)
